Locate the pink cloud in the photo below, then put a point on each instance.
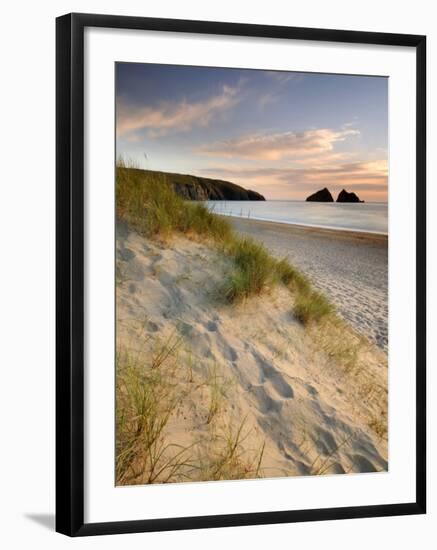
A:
(173, 116)
(285, 145)
(370, 178)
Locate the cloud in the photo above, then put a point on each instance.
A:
(173, 116)
(355, 172)
(284, 76)
(277, 87)
(277, 146)
(374, 187)
(266, 99)
(370, 177)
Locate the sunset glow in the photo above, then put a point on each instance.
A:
(282, 134)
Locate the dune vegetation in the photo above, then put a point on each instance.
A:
(154, 390)
(147, 202)
(163, 384)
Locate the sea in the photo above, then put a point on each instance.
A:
(369, 217)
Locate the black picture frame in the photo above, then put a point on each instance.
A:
(70, 273)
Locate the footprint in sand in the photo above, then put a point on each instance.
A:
(326, 443)
(284, 451)
(135, 271)
(233, 355)
(363, 445)
(151, 326)
(211, 326)
(281, 386)
(155, 258)
(126, 254)
(362, 464)
(201, 344)
(185, 328)
(335, 468)
(265, 403)
(311, 389)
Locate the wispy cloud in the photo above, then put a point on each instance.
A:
(366, 176)
(276, 146)
(173, 116)
(267, 99)
(283, 76)
(277, 87)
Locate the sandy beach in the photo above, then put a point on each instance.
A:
(351, 268)
(248, 348)
(252, 369)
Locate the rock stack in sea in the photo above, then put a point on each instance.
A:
(344, 196)
(323, 195)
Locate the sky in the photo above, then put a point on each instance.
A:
(283, 134)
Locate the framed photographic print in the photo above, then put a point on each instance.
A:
(240, 274)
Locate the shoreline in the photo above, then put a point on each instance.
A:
(330, 228)
(350, 268)
(321, 230)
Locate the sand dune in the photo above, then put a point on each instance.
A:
(313, 416)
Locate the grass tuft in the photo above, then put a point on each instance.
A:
(254, 269)
(292, 277)
(223, 455)
(311, 306)
(147, 396)
(149, 204)
(151, 392)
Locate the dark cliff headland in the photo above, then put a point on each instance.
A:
(200, 189)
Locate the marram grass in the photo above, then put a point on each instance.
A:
(148, 203)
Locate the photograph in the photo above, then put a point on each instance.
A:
(251, 274)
